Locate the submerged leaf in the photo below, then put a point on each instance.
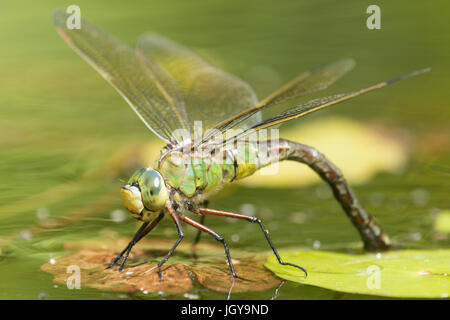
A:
(407, 273)
(142, 278)
(141, 273)
(251, 272)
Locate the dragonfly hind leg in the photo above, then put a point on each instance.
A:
(215, 235)
(205, 211)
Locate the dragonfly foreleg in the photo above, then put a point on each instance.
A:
(204, 211)
(372, 235)
(215, 235)
(142, 232)
(127, 249)
(174, 216)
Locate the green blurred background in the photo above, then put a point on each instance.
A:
(65, 134)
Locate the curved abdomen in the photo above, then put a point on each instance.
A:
(193, 175)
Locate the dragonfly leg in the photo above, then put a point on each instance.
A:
(205, 211)
(215, 235)
(372, 235)
(199, 232)
(174, 216)
(127, 248)
(142, 232)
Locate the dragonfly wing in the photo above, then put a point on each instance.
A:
(150, 91)
(304, 84)
(211, 95)
(318, 104)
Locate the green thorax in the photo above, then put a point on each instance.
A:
(195, 173)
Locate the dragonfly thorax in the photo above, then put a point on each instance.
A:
(145, 194)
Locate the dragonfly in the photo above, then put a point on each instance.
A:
(173, 89)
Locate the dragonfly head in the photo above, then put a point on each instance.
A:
(145, 194)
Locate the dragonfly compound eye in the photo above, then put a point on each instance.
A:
(153, 190)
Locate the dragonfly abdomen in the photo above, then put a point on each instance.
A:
(269, 152)
(196, 173)
(254, 155)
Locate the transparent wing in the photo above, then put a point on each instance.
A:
(318, 104)
(211, 95)
(304, 84)
(150, 91)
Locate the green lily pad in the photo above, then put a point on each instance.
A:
(407, 273)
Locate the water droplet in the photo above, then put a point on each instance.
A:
(420, 196)
(191, 296)
(118, 215)
(52, 261)
(235, 237)
(43, 214)
(416, 236)
(298, 217)
(26, 235)
(316, 244)
(248, 209)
